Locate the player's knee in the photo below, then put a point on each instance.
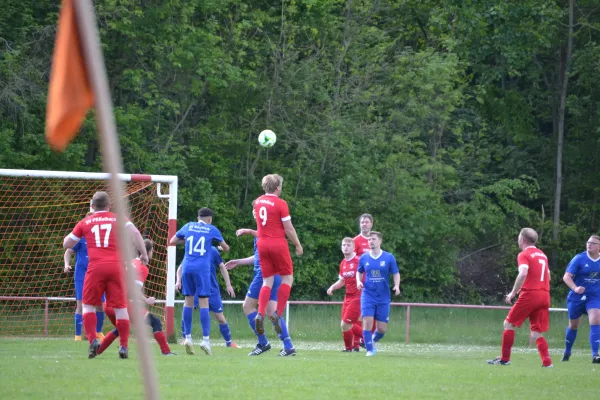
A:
(86, 308)
(248, 306)
(154, 323)
(508, 325)
(121, 313)
(220, 318)
(345, 327)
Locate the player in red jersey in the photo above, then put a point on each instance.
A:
(274, 224)
(104, 270)
(351, 306)
(533, 282)
(361, 241)
(141, 272)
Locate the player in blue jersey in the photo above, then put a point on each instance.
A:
(583, 278)
(215, 303)
(376, 266)
(250, 305)
(195, 280)
(81, 266)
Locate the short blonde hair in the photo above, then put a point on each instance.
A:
(100, 201)
(348, 240)
(529, 235)
(595, 237)
(271, 182)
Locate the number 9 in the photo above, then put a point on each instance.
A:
(262, 213)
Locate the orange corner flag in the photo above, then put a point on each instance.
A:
(70, 95)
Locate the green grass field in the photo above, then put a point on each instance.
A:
(59, 369)
(445, 359)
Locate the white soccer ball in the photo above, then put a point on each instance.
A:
(267, 138)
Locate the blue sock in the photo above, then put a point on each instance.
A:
(187, 320)
(595, 339)
(570, 336)
(378, 336)
(368, 339)
(262, 339)
(205, 321)
(285, 335)
(225, 332)
(78, 324)
(99, 320)
(182, 327)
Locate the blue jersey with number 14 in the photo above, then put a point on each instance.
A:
(198, 237)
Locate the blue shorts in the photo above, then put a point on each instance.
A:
(379, 311)
(576, 308)
(195, 283)
(257, 283)
(215, 304)
(79, 291)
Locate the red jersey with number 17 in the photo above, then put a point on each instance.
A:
(100, 232)
(141, 271)
(348, 269)
(538, 273)
(270, 212)
(361, 245)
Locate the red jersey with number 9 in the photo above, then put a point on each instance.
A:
(100, 232)
(270, 212)
(538, 273)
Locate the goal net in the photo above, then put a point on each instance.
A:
(37, 210)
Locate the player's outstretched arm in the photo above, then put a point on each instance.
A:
(291, 234)
(224, 246)
(245, 231)
(67, 258)
(231, 264)
(337, 285)
(225, 275)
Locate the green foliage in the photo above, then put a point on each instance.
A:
(437, 118)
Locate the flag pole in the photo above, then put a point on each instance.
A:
(113, 164)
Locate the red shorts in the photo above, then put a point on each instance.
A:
(351, 310)
(104, 279)
(274, 257)
(534, 305)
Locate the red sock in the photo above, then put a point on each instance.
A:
(110, 313)
(283, 295)
(348, 338)
(108, 339)
(263, 299)
(123, 328)
(508, 338)
(357, 332)
(89, 324)
(542, 346)
(161, 339)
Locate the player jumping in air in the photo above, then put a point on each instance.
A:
(376, 266)
(274, 224)
(104, 271)
(533, 282)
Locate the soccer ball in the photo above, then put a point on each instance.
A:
(267, 138)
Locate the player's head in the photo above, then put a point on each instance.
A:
(365, 222)
(205, 214)
(149, 248)
(272, 184)
(347, 246)
(593, 244)
(375, 239)
(100, 201)
(527, 237)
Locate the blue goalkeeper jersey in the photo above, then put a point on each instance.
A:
(377, 271)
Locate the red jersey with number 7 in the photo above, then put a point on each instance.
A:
(538, 273)
(100, 232)
(270, 212)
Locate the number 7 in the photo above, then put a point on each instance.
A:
(543, 262)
